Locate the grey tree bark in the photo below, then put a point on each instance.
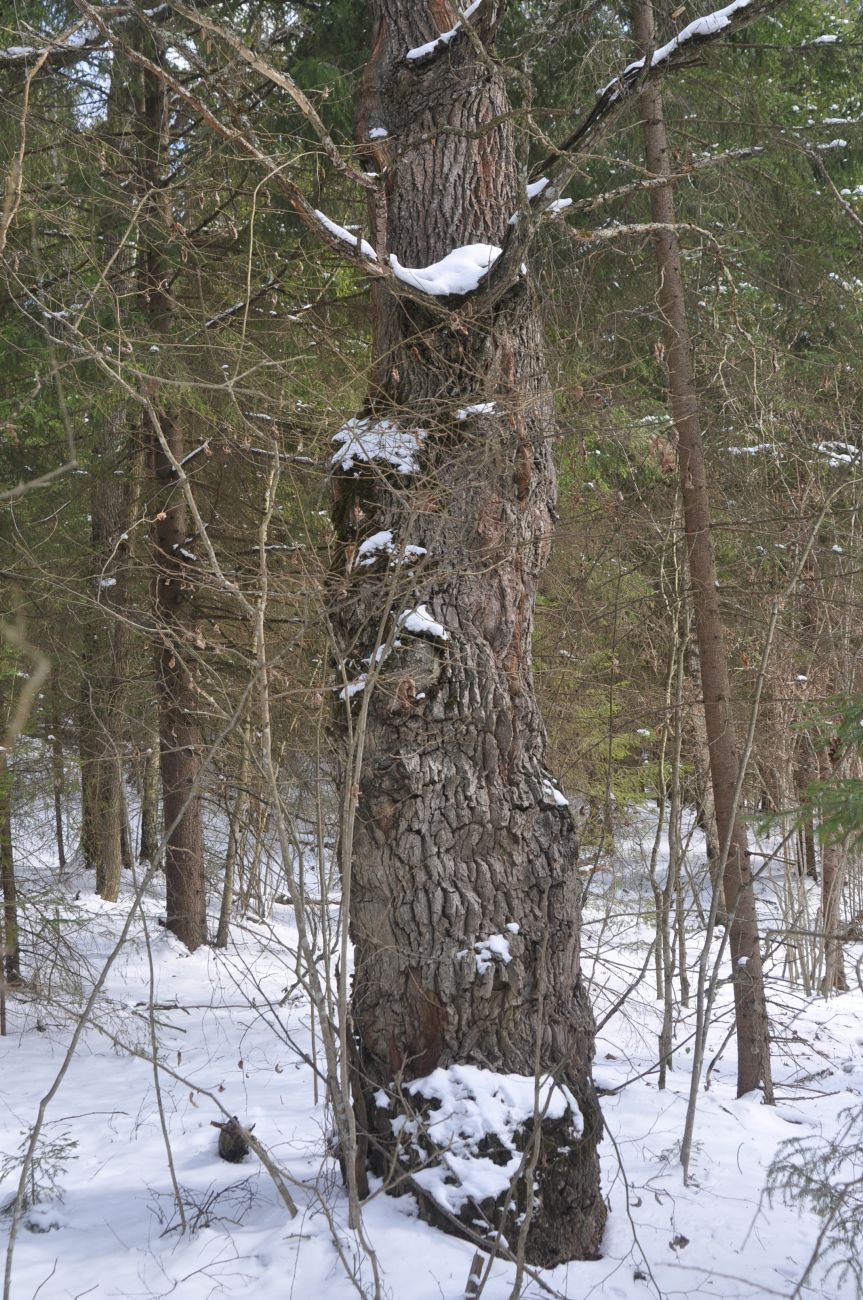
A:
(237, 813)
(106, 666)
(460, 837)
(149, 769)
(113, 475)
(753, 1052)
(174, 583)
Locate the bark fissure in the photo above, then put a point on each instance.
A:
(175, 566)
(459, 836)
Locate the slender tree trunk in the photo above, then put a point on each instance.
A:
(703, 780)
(180, 733)
(107, 662)
(753, 1053)
(148, 848)
(465, 897)
(87, 768)
(101, 807)
(127, 856)
(670, 890)
(238, 812)
(832, 880)
(11, 946)
(175, 584)
(806, 768)
(58, 777)
(112, 495)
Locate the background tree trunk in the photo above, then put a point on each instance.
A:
(113, 476)
(58, 774)
(179, 728)
(106, 674)
(753, 1053)
(174, 577)
(236, 816)
(460, 833)
(11, 946)
(149, 769)
(833, 864)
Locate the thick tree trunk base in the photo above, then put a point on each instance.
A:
(471, 1155)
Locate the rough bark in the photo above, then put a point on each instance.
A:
(148, 847)
(753, 1055)
(112, 492)
(701, 765)
(106, 666)
(174, 564)
(179, 726)
(459, 833)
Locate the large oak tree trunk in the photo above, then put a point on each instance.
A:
(465, 903)
(753, 1056)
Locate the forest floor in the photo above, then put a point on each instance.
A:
(105, 1222)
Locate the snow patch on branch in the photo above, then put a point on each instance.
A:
(551, 794)
(486, 950)
(421, 623)
(478, 408)
(839, 453)
(707, 25)
(382, 543)
(359, 245)
(353, 688)
(421, 51)
(370, 548)
(364, 441)
(754, 449)
(459, 272)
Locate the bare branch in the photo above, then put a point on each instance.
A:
(631, 81)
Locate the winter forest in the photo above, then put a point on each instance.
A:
(431, 728)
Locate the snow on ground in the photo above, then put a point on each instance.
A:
(235, 1025)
